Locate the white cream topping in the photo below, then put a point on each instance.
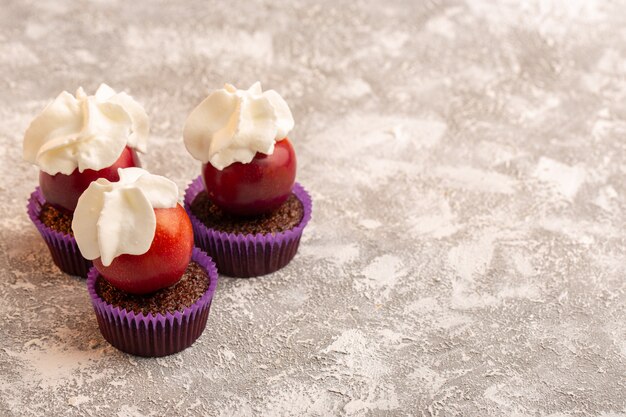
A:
(232, 125)
(85, 132)
(116, 218)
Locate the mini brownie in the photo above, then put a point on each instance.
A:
(179, 296)
(75, 140)
(150, 288)
(287, 216)
(247, 210)
(156, 333)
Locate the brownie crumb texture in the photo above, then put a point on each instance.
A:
(183, 294)
(56, 220)
(286, 217)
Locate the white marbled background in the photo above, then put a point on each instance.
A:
(466, 255)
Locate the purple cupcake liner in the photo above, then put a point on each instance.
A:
(63, 248)
(244, 256)
(154, 335)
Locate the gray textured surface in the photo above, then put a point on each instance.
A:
(466, 255)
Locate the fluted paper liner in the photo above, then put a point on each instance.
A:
(63, 247)
(244, 256)
(154, 335)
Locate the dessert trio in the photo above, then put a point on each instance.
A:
(151, 263)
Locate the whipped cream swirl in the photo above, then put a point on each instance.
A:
(232, 125)
(116, 218)
(85, 132)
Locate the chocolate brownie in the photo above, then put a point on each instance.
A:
(57, 220)
(285, 217)
(184, 293)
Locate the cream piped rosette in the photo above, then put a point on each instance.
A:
(85, 132)
(232, 125)
(116, 218)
